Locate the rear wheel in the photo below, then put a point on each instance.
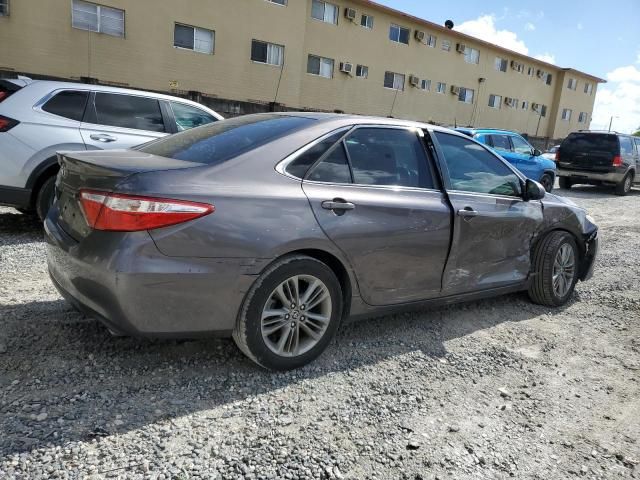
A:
(44, 200)
(565, 183)
(555, 264)
(290, 314)
(547, 182)
(624, 186)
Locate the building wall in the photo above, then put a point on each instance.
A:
(41, 41)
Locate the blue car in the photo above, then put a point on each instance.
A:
(518, 152)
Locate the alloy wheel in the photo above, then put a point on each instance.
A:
(564, 270)
(296, 315)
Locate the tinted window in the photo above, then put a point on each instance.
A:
(183, 36)
(637, 140)
(626, 147)
(67, 104)
(128, 111)
(500, 142)
(520, 146)
(473, 169)
(381, 156)
(220, 141)
(334, 168)
(189, 117)
(300, 166)
(590, 142)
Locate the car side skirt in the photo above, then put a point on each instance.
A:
(15, 197)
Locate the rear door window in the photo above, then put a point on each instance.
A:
(220, 141)
(385, 156)
(334, 168)
(129, 111)
(300, 166)
(68, 104)
(500, 142)
(626, 147)
(188, 116)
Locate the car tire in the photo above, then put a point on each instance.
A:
(624, 187)
(555, 269)
(44, 200)
(547, 182)
(278, 336)
(565, 183)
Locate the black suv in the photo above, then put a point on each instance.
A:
(599, 158)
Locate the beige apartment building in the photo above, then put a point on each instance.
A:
(352, 56)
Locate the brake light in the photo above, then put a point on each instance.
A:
(130, 213)
(617, 161)
(557, 155)
(3, 95)
(7, 123)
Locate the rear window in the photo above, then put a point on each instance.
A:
(218, 142)
(7, 89)
(590, 142)
(68, 104)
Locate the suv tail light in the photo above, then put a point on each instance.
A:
(557, 155)
(617, 161)
(7, 123)
(130, 213)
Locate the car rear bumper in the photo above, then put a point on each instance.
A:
(585, 176)
(124, 281)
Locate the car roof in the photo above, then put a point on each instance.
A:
(50, 85)
(475, 131)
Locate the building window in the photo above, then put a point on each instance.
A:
(324, 11)
(362, 71)
(525, 105)
(511, 102)
(366, 21)
(582, 118)
(588, 88)
(530, 71)
(425, 85)
(441, 87)
(269, 53)
(193, 38)
(320, 66)
(399, 34)
(572, 84)
(446, 45)
(566, 114)
(495, 101)
(96, 18)
(547, 78)
(465, 95)
(394, 80)
(431, 41)
(4, 8)
(501, 64)
(278, 2)
(471, 55)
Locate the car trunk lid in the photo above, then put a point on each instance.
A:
(589, 151)
(101, 171)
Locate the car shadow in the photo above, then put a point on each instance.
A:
(90, 384)
(584, 190)
(18, 228)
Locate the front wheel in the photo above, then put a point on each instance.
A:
(555, 269)
(547, 182)
(290, 313)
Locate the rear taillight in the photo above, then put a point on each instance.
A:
(130, 213)
(3, 95)
(557, 155)
(617, 161)
(7, 123)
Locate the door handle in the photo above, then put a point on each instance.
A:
(103, 137)
(337, 204)
(467, 212)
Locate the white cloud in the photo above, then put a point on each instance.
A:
(529, 27)
(580, 26)
(638, 59)
(484, 28)
(621, 99)
(546, 57)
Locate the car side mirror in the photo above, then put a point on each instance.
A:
(533, 190)
(536, 152)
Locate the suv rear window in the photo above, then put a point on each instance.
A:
(590, 142)
(220, 141)
(68, 104)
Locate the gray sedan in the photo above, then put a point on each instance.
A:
(275, 228)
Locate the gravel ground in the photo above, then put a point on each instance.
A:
(490, 389)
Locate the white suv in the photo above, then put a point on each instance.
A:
(39, 118)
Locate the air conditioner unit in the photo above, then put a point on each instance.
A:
(540, 73)
(346, 67)
(535, 106)
(515, 65)
(419, 35)
(414, 81)
(350, 13)
(508, 101)
(455, 90)
(461, 48)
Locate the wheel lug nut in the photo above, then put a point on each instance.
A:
(286, 316)
(293, 305)
(302, 307)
